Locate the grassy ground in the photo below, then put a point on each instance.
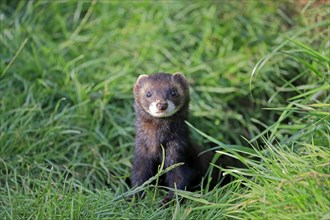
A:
(259, 76)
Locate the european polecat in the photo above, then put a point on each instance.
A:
(161, 107)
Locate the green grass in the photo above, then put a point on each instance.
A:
(259, 76)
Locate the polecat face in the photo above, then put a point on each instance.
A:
(161, 94)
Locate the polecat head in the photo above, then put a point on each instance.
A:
(162, 94)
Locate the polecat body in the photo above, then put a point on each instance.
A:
(161, 106)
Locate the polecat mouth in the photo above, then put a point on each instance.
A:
(162, 109)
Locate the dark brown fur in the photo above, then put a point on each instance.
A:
(170, 132)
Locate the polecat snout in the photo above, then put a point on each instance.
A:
(161, 107)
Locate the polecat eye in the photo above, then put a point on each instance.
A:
(148, 94)
(173, 93)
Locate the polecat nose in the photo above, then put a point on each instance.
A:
(162, 106)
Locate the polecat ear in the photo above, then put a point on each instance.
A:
(138, 81)
(142, 77)
(181, 79)
(179, 74)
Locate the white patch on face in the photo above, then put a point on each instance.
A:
(154, 111)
